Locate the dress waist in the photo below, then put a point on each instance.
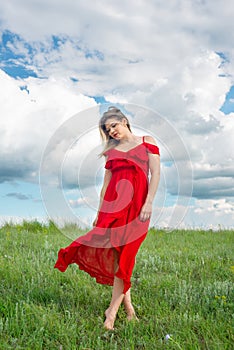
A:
(123, 167)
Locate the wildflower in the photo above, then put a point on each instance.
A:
(167, 337)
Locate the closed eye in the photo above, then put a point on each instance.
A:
(113, 126)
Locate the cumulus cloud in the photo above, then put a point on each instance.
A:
(30, 119)
(173, 57)
(219, 213)
(118, 46)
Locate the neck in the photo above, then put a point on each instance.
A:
(127, 138)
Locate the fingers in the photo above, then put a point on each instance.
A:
(144, 218)
(145, 215)
(146, 212)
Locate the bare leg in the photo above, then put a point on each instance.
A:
(131, 315)
(116, 300)
(117, 297)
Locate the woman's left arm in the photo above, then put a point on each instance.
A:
(154, 167)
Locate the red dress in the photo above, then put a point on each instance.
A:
(118, 230)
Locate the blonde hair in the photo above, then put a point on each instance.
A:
(112, 112)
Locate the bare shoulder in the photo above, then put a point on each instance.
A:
(150, 139)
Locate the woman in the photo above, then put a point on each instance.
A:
(108, 251)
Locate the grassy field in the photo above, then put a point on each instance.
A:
(182, 292)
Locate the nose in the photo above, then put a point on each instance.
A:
(111, 130)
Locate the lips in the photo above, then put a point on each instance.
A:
(115, 134)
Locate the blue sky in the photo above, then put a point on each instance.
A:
(146, 55)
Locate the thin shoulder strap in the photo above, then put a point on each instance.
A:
(143, 138)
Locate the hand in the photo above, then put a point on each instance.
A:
(146, 212)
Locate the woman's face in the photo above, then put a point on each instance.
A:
(116, 128)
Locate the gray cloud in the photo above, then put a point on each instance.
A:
(19, 196)
(198, 125)
(13, 168)
(214, 188)
(215, 172)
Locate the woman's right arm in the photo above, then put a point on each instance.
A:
(107, 177)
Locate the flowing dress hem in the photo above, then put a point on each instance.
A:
(99, 279)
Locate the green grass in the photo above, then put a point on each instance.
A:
(181, 285)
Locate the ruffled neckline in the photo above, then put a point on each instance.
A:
(149, 146)
(140, 144)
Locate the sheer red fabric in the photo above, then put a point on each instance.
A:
(118, 231)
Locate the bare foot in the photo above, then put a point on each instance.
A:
(131, 315)
(110, 320)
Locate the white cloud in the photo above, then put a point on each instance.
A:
(141, 43)
(219, 213)
(203, 214)
(159, 54)
(74, 203)
(31, 119)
